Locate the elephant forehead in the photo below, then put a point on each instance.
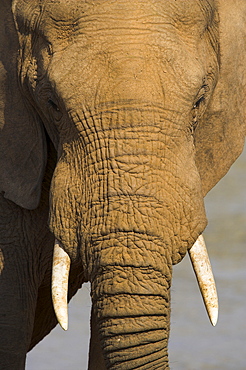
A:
(63, 18)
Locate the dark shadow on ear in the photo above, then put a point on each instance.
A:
(220, 136)
(22, 138)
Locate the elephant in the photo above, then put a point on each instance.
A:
(116, 119)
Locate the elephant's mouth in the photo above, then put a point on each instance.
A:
(200, 262)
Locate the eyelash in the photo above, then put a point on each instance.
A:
(54, 109)
(199, 102)
(196, 112)
(53, 105)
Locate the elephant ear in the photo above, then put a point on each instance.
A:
(220, 136)
(22, 138)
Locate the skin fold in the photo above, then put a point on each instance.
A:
(116, 119)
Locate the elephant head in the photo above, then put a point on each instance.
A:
(143, 102)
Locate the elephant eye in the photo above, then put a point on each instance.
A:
(54, 110)
(197, 112)
(199, 102)
(53, 105)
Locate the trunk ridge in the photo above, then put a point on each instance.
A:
(131, 310)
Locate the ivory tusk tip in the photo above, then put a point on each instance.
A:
(63, 324)
(202, 268)
(61, 313)
(214, 320)
(60, 273)
(213, 315)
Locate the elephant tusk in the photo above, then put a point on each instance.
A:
(202, 268)
(60, 273)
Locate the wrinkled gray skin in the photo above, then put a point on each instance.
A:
(117, 117)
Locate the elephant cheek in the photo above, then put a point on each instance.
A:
(64, 210)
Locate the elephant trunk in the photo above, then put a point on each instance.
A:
(141, 209)
(131, 246)
(131, 309)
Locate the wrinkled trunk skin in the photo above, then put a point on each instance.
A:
(132, 317)
(139, 214)
(133, 330)
(130, 292)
